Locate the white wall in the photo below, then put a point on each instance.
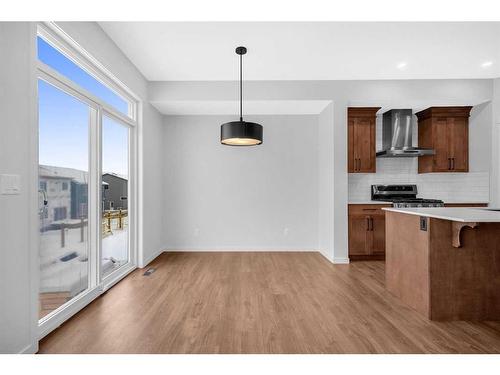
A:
(18, 270)
(241, 198)
(92, 38)
(325, 182)
(495, 146)
(153, 193)
(472, 187)
(387, 94)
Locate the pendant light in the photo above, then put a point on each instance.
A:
(241, 133)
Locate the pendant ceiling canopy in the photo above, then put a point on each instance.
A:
(241, 133)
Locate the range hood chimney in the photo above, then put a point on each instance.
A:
(397, 135)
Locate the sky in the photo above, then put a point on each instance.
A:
(64, 120)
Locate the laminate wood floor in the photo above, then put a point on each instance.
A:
(260, 303)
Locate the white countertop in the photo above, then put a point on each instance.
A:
(461, 214)
(381, 202)
(368, 202)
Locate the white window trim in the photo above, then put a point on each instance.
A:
(59, 39)
(97, 285)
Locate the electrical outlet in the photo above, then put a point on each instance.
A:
(423, 223)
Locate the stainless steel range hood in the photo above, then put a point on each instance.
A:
(397, 136)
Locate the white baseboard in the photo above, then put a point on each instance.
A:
(340, 260)
(335, 260)
(232, 249)
(326, 256)
(30, 349)
(150, 258)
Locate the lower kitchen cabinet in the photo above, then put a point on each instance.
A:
(366, 231)
(358, 235)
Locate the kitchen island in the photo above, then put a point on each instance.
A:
(445, 262)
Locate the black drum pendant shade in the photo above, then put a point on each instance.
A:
(241, 133)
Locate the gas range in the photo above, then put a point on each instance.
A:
(402, 196)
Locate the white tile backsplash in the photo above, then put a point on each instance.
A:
(450, 187)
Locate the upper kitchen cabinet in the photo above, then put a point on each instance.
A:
(361, 139)
(446, 130)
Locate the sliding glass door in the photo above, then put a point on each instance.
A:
(63, 182)
(115, 188)
(86, 172)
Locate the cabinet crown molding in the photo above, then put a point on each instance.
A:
(457, 111)
(362, 111)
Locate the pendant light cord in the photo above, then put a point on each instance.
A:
(241, 87)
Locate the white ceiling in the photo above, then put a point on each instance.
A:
(166, 51)
(251, 107)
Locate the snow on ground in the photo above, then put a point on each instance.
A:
(71, 276)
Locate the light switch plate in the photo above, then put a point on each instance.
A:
(10, 184)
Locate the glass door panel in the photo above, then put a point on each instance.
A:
(115, 188)
(63, 180)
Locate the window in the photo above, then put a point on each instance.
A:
(63, 65)
(43, 185)
(64, 186)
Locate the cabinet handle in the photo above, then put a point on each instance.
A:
(452, 163)
(367, 224)
(371, 224)
(359, 165)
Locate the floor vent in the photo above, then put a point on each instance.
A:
(149, 271)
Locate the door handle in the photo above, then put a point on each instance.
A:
(369, 224)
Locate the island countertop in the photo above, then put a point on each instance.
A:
(460, 214)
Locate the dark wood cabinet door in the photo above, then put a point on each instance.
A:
(361, 139)
(459, 144)
(449, 138)
(359, 241)
(351, 160)
(441, 134)
(378, 234)
(364, 135)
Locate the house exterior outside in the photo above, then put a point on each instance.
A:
(115, 194)
(65, 192)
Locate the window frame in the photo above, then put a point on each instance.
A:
(58, 39)
(62, 42)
